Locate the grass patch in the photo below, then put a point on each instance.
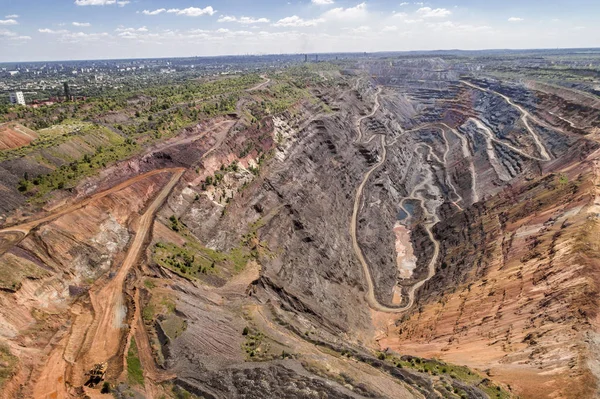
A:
(255, 347)
(88, 161)
(438, 368)
(173, 326)
(8, 364)
(194, 260)
(180, 393)
(135, 373)
(149, 284)
(13, 270)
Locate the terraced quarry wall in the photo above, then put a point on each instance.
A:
(422, 233)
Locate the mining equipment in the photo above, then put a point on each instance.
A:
(96, 374)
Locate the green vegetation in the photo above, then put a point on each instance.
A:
(176, 225)
(173, 326)
(194, 259)
(148, 313)
(68, 141)
(8, 364)
(82, 152)
(181, 393)
(438, 368)
(182, 261)
(14, 270)
(149, 284)
(135, 372)
(254, 346)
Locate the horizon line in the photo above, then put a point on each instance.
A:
(313, 53)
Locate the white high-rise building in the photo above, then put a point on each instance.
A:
(17, 98)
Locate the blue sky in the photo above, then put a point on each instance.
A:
(95, 29)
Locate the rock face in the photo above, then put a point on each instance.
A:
(330, 250)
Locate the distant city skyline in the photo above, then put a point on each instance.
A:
(42, 30)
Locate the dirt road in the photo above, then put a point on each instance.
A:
(10, 238)
(371, 299)
(103, 335)
(431, 217)
(525, 115)
(260, 85)
(359, 121)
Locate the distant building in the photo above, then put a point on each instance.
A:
(17, 98)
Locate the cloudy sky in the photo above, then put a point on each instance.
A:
(96, 29)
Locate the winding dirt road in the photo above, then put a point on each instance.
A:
(431, 217)
(525, 115)
(371, 298)
(359, 121)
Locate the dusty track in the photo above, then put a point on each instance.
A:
(525, 115)
(260, 85)
(371, 299)
(359, 121)
(431, 218)
(103, 335)
(25, 228)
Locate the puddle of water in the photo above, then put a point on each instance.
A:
(402, 215)
(410, 208)
(407, 211)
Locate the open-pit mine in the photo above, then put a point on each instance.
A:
(394, 226)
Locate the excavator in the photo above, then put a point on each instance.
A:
(96, 374)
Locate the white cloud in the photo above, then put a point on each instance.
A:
(64, 35)
(227, 18)
(82, 24)
(362, 29)
(8, 22)
(515, 19)
(155, 12)
(12, 36)
(404, 4)
(7, 33)
(123, 29)
(322, 2)
(12, 16)
(123, 3)
(392, 28)
(94, 2)
(345, 14)
(244, 20)
(193, 11)
(53, 32)
(428, 12)
(296, 21)
(457, 27)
